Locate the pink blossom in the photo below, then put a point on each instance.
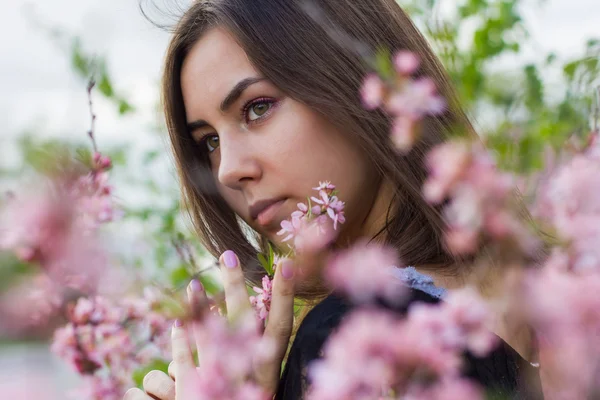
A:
(106, 341)
(315, 235)
(469, 312)
(386, 352)
(416, 99)
(291, 228)
(372, 92)
(480, 198)
(446, 389)
(33, 224)
(262, 301)
(330, 205)
(462, 241)
(326, 186)
(54, 227)
(406, 62)
(447, 163)
(404, 133)
(569, 201)
(301, 212)
(102, 162)
(309, 230)
(227, 359)
(29, 304)
(564, 308)
(365, 272)
(101, 388)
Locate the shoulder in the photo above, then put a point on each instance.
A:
(326, 316)
(502, 372)
(315, 329)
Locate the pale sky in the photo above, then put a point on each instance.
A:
(39, 91)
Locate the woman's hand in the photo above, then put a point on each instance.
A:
(266, 372)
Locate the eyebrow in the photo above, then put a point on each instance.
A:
(231, 98)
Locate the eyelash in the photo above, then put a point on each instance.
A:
(243, 112)
(260, 100)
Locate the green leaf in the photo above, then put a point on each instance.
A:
(125, 107)
(180, 276)
(210, 285)
(84, 156)
(569, 70)
(383, 64)
(271, 269)
(263, 261)
(105, 86)
(150, 156)
(79, 61)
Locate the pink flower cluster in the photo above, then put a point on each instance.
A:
(29, 304)
(228, 354)
(94, 201)
(364, 272)
(564, 308)
(561, 298)
(311, 228)
(569, 201)
(54, 227)
(106, 341)
(408, 100)
(480, 197)
(262, 301)
(418, 357)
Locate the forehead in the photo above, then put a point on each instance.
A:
(213, 66)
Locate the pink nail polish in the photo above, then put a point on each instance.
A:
(178, 323)
(196, 285)
(230, 259)
(287, 269)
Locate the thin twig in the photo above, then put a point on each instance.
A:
(90, 86)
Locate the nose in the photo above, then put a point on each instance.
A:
(239, 162)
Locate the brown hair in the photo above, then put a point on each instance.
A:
(310, 60)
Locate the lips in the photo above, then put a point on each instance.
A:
(264, 211)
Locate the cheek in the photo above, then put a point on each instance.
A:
(234, 199)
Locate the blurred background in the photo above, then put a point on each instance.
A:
(527, 71)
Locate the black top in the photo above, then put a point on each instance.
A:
(503, 373)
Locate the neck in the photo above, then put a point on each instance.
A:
(373, 224)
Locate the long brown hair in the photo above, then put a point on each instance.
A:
(320, 63)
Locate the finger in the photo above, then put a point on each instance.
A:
(199, 303)
(171, 370)
(182, 359)
(279, 325)
(236, 295)
(136, 394)
(158, 384)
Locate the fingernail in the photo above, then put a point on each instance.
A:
(178, 323)
(287, 269)
(196, 285)
(230, 259)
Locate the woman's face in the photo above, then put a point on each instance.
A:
(266, 149)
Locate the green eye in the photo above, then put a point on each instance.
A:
(258, 110)
(212, 142)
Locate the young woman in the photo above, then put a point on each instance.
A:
(262, 102)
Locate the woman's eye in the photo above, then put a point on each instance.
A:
(258, 110)
(212, 142)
